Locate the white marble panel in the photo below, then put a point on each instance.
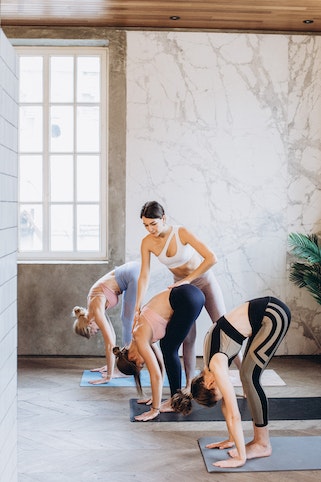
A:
(224, 131)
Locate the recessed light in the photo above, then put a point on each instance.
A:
(174, 17)
(308, 21)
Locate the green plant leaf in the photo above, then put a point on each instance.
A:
(306, 274)
(305, 246)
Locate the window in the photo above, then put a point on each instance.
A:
(62, 153)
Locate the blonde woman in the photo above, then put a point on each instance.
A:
(102, 296)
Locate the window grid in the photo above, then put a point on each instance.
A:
(48, 204)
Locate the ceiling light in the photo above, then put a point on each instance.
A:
(174, 17)
(308, 21)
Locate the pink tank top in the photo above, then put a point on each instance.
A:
(102, 290)
(156, 322)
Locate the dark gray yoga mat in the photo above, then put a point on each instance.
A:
(288, 453)
(302, 408)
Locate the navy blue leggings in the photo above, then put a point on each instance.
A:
(187, 302)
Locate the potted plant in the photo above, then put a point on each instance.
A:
(306, 273)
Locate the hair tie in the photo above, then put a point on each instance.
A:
(116, 351)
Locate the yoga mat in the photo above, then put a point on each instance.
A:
(304, 408)
(123, 381)
(288, 453)
(269, 379)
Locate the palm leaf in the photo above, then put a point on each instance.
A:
(306, 274)
(305, 246)
(313, 285)
(297, 274)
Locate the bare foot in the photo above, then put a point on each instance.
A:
(166, 406)
(145, 401)
(253, 450)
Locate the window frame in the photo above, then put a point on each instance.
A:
(68, 256)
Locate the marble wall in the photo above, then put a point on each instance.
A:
(224, 130)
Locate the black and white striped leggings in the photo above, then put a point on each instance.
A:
(261, 346)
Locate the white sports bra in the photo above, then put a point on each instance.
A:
(184, 252)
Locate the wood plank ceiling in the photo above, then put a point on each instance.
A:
(293, 16)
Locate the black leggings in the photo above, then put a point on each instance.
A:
(187, 302)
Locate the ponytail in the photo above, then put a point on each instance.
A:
(128, 367)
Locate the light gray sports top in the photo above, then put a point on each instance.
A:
(184, 252)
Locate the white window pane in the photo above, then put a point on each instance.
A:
(61, 228)
(61, 178)
(30, 129)
(30, 228)
(62, 126)
(60, 158)
(61, 79)
(88, 129)
(88, 179)
(88, 228)
(30, 173)
(88, 79)
(30, 81)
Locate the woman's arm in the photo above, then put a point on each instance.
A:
(155, 367)
(109, 336)
(219, 367)
(143, 280)
(224, 444)
(209, 258)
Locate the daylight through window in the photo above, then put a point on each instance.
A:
(62, 153)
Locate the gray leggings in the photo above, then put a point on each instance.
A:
(127, 276)
(214, 301)
(259, 350)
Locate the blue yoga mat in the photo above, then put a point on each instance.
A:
(124, 381)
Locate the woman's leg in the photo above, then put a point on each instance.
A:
(189, 356)
(126, 277)
(215, 306)
(214, 300)
(187, 302)
(259, 351)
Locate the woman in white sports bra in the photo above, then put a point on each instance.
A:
(189, 259)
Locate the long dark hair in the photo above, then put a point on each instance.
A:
(152, 210)
(128, 367)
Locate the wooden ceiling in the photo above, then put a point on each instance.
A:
(223, 15)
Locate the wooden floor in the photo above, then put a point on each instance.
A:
(73, 434)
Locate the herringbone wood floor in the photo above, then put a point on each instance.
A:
(73, 434)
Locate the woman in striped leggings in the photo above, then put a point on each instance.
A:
(264, 322)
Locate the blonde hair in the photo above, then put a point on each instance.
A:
(81, 324)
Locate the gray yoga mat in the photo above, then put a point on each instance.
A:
(289, 454)
(302, 408)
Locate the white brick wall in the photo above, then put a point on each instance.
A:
(8, 261)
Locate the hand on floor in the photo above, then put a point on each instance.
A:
(225, 444)
(100, 381)
(100, 369)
